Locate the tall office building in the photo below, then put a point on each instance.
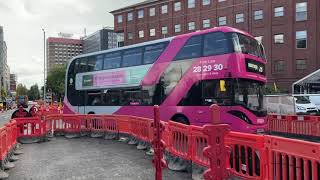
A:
(289, 29)
(4, 68)
(100, 40)
(60, 50)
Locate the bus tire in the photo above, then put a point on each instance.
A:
(91, 112)
(180, 119)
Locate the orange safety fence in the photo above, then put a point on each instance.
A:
(293, 159)
(308, 126)
(249, 156)
(8, 141)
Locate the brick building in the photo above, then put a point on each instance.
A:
(61, 50)
(289, 29)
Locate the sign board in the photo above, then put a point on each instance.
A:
(122, 77)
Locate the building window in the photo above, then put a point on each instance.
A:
(279, 66)
(140, 14)
(120, 19)
(221, 0)
(278, 38)
(191, 3)
(278, 11)
(164, 30)
(206, 23)
(130, 16)
(141, 34)
(177, 6)
(239, 18)
(205, 2)
(301, 11)
(130, 35)
(258, 15)
(164, 9)
(152, 11)
(222, 21)
(191, 26)
(152, 32)
(301, 64)
(301, 39)
(259, 38)
(177, 28)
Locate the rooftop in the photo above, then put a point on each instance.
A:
(64, 40)
(133, 6)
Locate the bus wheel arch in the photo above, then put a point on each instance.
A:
(180, 118)
(91, 112)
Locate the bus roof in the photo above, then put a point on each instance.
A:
(215, 29)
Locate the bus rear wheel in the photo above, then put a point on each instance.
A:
(181, 119)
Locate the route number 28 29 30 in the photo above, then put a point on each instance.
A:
(207, 68)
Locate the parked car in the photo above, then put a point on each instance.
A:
(304, 106)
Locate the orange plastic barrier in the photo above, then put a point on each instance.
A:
(248, 157)
(308, 126)
(30, 127)
(3, 139)
(293, 159)
(141, 128)
(179, 140)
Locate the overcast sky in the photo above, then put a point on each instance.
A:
(23, 20)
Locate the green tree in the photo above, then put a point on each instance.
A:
(55, 80)
(4, 94)
(21, 90)
(34, 92)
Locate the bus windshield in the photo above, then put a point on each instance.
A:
(247, 45)
(249, 94)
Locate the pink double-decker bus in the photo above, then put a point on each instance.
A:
(184, 74)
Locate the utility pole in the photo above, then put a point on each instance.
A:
(44, 67)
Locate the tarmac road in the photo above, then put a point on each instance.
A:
(5, 117)
(86, 159)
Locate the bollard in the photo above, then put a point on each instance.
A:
(158, 145)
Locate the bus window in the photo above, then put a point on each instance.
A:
(131, 97)
(132, 57)
(83, 65)
(216, 43)
(94, 98)
(112, 98)
(91, 63)
(76, 66)
(112, 60)
(193, 96)
(192, 49)
(152, 53)
(99, 63)
(213, 94)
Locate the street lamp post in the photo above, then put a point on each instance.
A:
(44, 67)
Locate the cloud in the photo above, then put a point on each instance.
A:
(24, 19)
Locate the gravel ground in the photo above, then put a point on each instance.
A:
(86, 159)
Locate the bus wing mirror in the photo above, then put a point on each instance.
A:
(223, 86)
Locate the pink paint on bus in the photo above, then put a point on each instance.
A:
(225, 66)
